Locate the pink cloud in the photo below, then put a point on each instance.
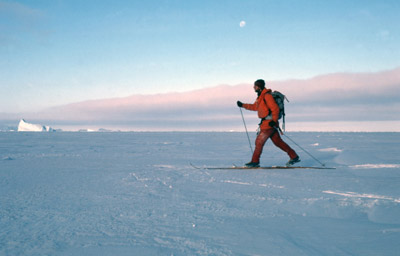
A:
(342, 96)
(347, 85)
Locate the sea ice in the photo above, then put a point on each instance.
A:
(100, 193)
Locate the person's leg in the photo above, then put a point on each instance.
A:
(260, 142)
(277, 140)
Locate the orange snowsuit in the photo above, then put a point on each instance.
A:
(266, 107)
(268, 110)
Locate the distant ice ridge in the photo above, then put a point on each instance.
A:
(24, 126)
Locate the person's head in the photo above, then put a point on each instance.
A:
(259, 85)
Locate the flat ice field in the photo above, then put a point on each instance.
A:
(67, 193)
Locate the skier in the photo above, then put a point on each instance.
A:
(268, 111)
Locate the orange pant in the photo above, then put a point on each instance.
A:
(276, 139)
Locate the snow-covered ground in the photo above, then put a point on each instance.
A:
(68, 193)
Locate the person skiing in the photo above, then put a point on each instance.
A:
(268, 111)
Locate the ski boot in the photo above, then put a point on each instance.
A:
(293, 161)
(252, 165)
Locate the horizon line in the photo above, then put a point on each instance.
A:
(333, 126)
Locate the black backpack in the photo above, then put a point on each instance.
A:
(280, 101)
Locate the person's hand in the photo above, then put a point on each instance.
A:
(240, 104)
(272, 124)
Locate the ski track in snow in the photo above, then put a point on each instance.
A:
(136, 194)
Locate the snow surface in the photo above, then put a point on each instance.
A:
(70, 193)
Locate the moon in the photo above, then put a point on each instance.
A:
(242, 23)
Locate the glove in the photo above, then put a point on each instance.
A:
(240, 104)
(272, 124)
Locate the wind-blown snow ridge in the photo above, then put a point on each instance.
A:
(250, 184)
(374, 166)
(237, 182)
(330, 150)
(370, 196)
(164, 166)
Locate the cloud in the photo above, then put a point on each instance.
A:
(332, 97)
(345, 96)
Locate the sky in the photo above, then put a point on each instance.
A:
(60, 52)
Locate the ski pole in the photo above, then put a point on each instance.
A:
(301, 147)
(245, 127)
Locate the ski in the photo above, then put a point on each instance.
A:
(234, 167)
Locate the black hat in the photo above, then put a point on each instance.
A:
(260, 83)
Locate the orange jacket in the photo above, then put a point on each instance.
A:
(266, 107)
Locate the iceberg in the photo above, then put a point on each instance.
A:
(24, 126)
